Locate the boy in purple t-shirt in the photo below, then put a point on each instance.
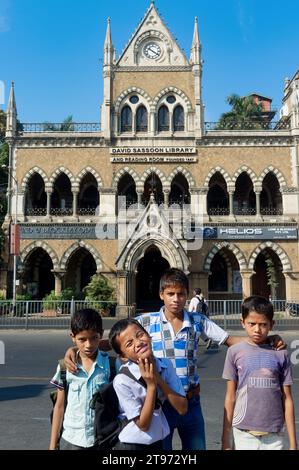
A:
(258, 399)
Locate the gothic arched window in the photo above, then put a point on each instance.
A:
(141, 119)
(126, 119)
(163, 119)
(178, 119)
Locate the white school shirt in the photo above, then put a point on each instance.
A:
(131, 396)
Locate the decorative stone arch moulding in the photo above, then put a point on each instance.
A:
(168, 249)
(44, 246)
(283, 257)
(128, 91)
(84, 172)
(76, 246)
(218, 169)
(152, 34)
(185, 173)
(229, 246)
(175, 91)
(245, 169)
(157, 172)
(276, 172)
(30, 173)
(117, 177)
(60, 170)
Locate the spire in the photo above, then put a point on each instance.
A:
(196, 47)
(109, 51)
(11, 114)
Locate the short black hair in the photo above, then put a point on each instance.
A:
(118, 328)
(86, 319)
(258, 304)
(173, 277)
(197, 290)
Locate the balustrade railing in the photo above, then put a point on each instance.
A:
(36, 127)
(247, 125)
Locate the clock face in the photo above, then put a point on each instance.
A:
(152, 50)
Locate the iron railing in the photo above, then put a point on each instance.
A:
(57, 314)
(247, 126)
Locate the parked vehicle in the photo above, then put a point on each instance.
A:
(292, 309)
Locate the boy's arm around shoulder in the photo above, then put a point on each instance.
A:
(58, 414)
(70, 355)
(275, 341)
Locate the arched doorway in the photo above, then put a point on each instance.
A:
(38, 279)
(80, 268)
(268, 267)
(149, 271)
(225, 281)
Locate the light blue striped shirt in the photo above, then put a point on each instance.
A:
(79, 417)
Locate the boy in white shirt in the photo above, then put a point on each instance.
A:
(140, 399)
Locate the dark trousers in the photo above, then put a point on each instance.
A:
(155, 447)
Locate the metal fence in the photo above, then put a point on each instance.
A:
(57, 314)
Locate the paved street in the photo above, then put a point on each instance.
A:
(31, 358)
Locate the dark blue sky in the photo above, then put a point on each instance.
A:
(52, 49)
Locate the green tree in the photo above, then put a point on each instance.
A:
(67, 125)
(245, 114)
(272, 278)
(100, 289)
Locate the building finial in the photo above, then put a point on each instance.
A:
(11, 114)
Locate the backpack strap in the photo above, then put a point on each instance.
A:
(126, 371)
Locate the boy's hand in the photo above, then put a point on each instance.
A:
(70, 360)
(277, 342)
(146, 368)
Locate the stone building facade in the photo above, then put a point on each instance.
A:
(155, 186)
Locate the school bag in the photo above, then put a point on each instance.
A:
(53, 395)
(107, 424)
(202, 307)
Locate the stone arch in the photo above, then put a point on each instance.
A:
(86, 170)
(30, 173)
(230, 246)
(245, 169)
(184, 172)
(170, 250)
(178, 92)
(276, 172)
(40, 244)
(218, 169)
(121, 173)
(155, 170)
(60, 170)
(284, 259)
(128, 91)
(74, 247)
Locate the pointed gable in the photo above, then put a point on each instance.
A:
(152, 44)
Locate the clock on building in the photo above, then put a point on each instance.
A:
(152, 50)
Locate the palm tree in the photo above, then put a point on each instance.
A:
(245, 114)
(67, 125)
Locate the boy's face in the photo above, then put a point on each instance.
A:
(87, 342)
(135, 343)
(174, 298)
(257, 327)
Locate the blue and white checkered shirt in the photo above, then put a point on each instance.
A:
(181, 347)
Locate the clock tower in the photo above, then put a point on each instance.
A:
(153, 72)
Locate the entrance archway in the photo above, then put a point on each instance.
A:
(268, 265)
(149, 271)
(80, 268)
(38, 279)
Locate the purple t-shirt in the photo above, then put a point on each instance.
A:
(260, 372)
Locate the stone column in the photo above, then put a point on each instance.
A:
(258, 189)
(152, 122)
(75, 201)
(166, 198)
(139, 197)
(122, 294)
(49, 194)
(246, 282)
(292, 284)
(58, 280)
